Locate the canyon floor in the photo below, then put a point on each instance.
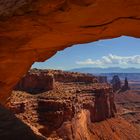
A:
(128, 106)
(52, 115)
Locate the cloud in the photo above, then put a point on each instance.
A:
(112, 60)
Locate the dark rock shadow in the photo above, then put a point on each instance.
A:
(11, 128)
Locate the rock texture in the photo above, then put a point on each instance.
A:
(36, 82)
(104, 106)
(12, 128)
(128, 106)
(35, 30)
(68, 113)
(68, 77)
(59, 113)
(57, 108)
(76, 110)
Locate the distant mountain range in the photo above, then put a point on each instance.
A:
(106, 70)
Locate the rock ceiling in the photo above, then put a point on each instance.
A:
(34, 30)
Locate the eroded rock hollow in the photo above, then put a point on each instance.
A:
(35, 30)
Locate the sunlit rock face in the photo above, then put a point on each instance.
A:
(35, 30)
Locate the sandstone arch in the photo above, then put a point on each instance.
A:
(35, 30)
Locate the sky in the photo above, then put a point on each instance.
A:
(119, 52)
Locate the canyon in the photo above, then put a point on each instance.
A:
(77, 107)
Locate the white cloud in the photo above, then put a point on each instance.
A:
(89, 62)
(112, 60)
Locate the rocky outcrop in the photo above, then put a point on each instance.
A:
(125, 87)
(35, 30)
(116, 83)
(100, 104)
(68, 77)
(104, 106)
(73, 110)
(57, 113)
(79, 112)
(36, 82)
(75, 78)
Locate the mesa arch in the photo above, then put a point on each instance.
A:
(34, 30)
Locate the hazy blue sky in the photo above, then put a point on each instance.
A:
(122, 52)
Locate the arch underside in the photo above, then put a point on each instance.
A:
(33, 31)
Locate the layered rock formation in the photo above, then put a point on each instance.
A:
(67, 77)
(104, 106)
(56, 109)
(72, 110)
(35, 30)
(36, 82)
(56, 113)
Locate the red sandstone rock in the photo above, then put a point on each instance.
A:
(62, 116)
(67, 77)
(57, 113)
(36, 82)
(11, 128)
(104, 106)
(33, 31)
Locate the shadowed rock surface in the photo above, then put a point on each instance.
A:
(11, 128)
(125, 87)
(35, 30)
(116, 83)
